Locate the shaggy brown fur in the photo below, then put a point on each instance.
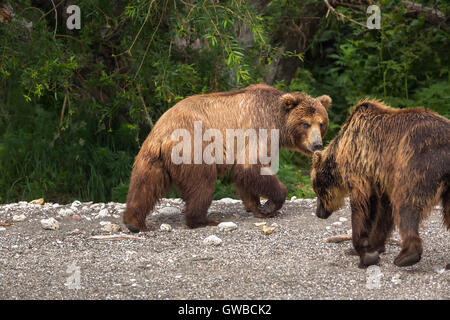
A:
(301, 120)
(395, 166)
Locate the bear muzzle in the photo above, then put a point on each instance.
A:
(321, 212)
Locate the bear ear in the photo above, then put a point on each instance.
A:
(316, 158)
(325, 100)
(289, 101)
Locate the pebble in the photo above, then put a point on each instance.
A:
(111, 227)
(50, 224)
(268, 230)
(19, 218)
(337, 223)
(212, 241)
(227, 226)
(2, 229)
(37, 201)
(342, 219)
(65, 212)
(76, 217)
(103, 213)
(169, 210)
(259, 224)
(229, 200)
(396, 278)
(438, 269)
(165, 227)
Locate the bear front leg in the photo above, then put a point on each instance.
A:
(383, 224)
(249, 179)
(360, 204)
(250, 200)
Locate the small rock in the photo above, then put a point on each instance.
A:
(212, 241)
(2, 229)
(293, 198)
(65, 212)
(275, 225)
(37, 201)
(337, 223)
(227, 226)
(111, 227)
(50, 224)
(268, 230)
(228, 200)
(165, 227)
(342, 219)
(102, 214)
(76, 203)
(169, 210)
(74, 231)
(19, 218)
(396, 278)
(438, 269)
(259, 224)
(76, 217)
(104, 223)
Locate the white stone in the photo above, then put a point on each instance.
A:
(65, 212)
(19, 218)
(212, 241)
(293, 198)
(50, 224)
(169, 210)
(165, 227)
(228, 200)
(342, 219)
(102, 214)
(2, 229)
(337, 223)
(227, 226)
(111, 227)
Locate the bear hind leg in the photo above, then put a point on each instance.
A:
(409, 220)
(446, 206)
(198, 198)
(148, 183)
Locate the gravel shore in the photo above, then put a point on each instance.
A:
(71, 259)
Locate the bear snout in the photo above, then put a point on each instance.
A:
(316, 146)
(321, 212)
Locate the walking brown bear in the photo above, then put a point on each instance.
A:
(395, 166)
(301, 122)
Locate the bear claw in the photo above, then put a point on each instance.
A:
(132, 228)
(408, 260)
(369, 258)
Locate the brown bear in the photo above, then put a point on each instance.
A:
(395, 166)
(296, 121)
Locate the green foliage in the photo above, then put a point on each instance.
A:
(75, 106)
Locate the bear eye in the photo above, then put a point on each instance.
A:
(306, 125)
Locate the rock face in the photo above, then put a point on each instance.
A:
(50, 224)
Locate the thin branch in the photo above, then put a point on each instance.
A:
(340, 15)
(147, 115)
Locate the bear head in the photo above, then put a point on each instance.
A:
(306, 121)
(327, 183)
